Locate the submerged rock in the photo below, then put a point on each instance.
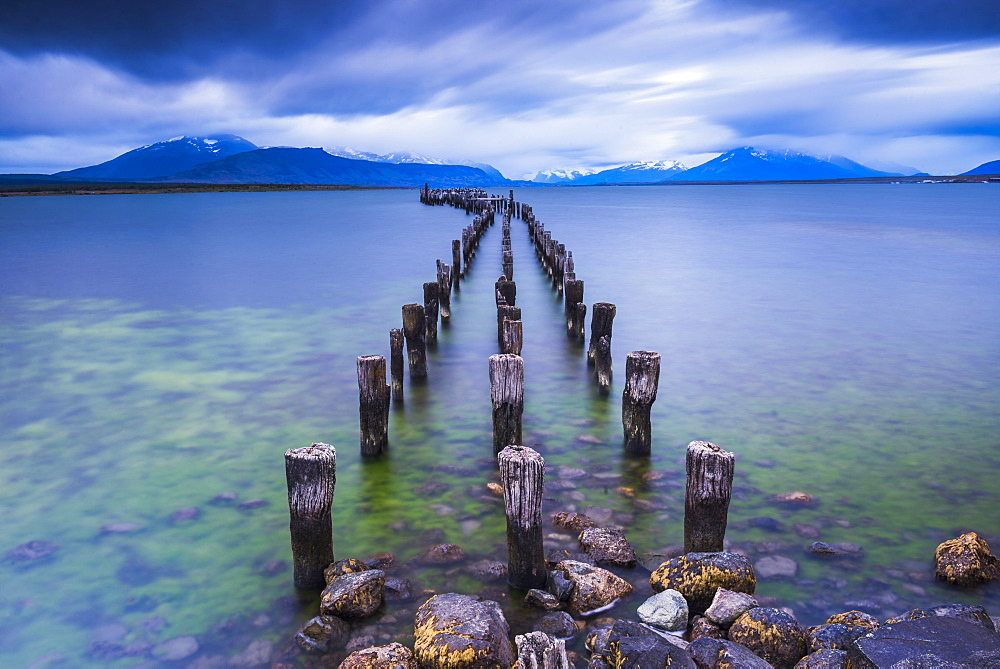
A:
(594, 588)
(489, 571)
(927, 642)
(698, 576)
(31, 551)
(452, 631)
(577, 522)
(797, 498)
(322, 634)
(854, 619)
(397, 588)
(776, 566)
(177, 648)
(771, 634)
(966, 561)
(841, 549)
(441, 554)
(558, 624)
(185, 514)
(391, 656)
(608, 546)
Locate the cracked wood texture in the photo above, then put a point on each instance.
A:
(507, 393)
(415, 331)
(396, 363)
(431, 300)
(522, 474)
(642, 376)
(311, 474)
(706, 501)
(373, 404)
(601, 319)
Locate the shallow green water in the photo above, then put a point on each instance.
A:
(161, 350)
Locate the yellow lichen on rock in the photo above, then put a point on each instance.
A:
(966, 561)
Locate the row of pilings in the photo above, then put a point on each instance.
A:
(311, 471)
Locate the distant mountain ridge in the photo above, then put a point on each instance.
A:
(751, 164)
(164, 158)
(643, 172)
(992, 167)
(401, 157)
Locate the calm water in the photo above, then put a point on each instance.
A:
(162, 350)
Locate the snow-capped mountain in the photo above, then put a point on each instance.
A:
(751, 164)
(404, 157)
(645, 172)
(163, 158)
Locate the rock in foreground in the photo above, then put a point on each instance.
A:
(455, 631)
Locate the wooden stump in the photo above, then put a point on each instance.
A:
(311, 474)
(505, 312)
(396, 363)
(706, 501)
(602, 363)
(522, 473)
(456, 261)
(601, 320)
(507, 393)
(574, 296)
(538, 650)
(415, 330)
(431, 296)
(444, 291)
(513, 337)
(374, 404)
(642, 376)
(507, 290)
(580, 323)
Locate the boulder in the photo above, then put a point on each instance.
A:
(558, 624)
(559, 586)
(709, 653)
(698, 576)
(322, 634)
(703, 627)
(827, 658)
(391, 656)
(380, 561)
(927, 642)
(633, 645)
(397, 588)
(970, 613)
(727, 606)
(836, 636)
(597, 640)
(843, 550)
(854, 619)
(577, 522)
(441, 554)
(594, 588)
(667, 610)
(541, 651)
(966, 561)
(453, 631)
(608, 546)
(355, 595)
(540, 599)
(341, 567)
(771, 634)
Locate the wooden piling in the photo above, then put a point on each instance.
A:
(574, 296)
(522, 474)
(507, 394)
(538, 650)
(374, 404)
(506, 289)
(642, 376)
(512, 338)
(444, 291)
(311, 474)
(396, 363)
(579, 326)
(456, 261)
(415, 330)
(706, 501)
(505, 312)
(601, 319)
(432, 290)
(602, 364)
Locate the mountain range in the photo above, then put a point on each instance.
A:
(229, 159)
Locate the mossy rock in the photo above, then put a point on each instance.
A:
(341, 567)
(771, 634)
(698, 576)
(966, 561)
(391, 656)
(854, 619)
(594, 588)
(356, 595)
(453, 631)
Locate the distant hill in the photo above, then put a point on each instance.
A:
(992, 167)
(164, 158)
(648, 172)
(403, 157)
(315, 166)
(750, 164)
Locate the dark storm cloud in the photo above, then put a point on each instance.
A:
(885, 21)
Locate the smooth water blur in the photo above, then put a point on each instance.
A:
(160, 351)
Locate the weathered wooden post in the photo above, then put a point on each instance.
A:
(374, 404)
(456, 261)
(415, 330)
(706, 501)
(507, 393)
(506, 289)
(602, 364)
(574, 296)
(580, 322)
(601, 320)
(396, 363)
(431, 295)
(522, 474)
(513, 337)
(642, 376)
(311, 474)
(505, 312)
(538, 650)
(444, 291)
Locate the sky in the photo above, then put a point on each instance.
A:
(524, 85)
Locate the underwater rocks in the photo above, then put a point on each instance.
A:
(698, 576)
(608, 546)
(594, 588)
(630, 644)
(966, 561)
(709, 652)
(30, 551)
(322, 634)
(453, 630)
(391, 656)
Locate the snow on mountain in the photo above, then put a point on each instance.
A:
(641, 172)
(404, 157)
(752, 164)
(559, 176)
